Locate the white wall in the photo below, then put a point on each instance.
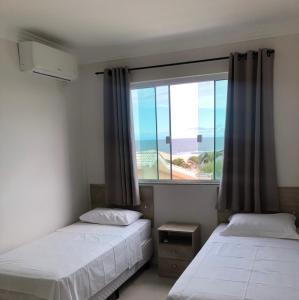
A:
(196, 202)
(42, 179)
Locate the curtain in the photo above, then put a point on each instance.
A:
(249, 180)
(120, 163)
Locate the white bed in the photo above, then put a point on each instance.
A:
(241, 268)
(81, 261)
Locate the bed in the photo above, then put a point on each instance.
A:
(75, 262)
(244, 268)
(82, 261)
(235, 268)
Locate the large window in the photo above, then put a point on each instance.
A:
(179, 128)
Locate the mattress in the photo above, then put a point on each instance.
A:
(74, 262)
(235, 268)
(147, 252)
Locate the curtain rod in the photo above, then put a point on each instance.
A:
(173, 64)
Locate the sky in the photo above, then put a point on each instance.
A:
(192, 110)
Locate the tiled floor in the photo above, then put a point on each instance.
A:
(146, 285)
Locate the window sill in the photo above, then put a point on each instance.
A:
(177, 182)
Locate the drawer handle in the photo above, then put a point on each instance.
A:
(174, 266)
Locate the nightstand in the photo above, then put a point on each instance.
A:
(178, 244)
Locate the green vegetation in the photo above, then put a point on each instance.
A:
(218, 166)
(203, 164)
(206, 157)
(180, 162)
(208, 167)
(194, 159)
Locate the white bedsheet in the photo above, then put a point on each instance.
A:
(241, 268)
(74, 262)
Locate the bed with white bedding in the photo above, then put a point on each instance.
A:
(80, 261)
(241, 268)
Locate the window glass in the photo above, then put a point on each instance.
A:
(163, 132)
(179, 129)
(144, 118)
(206, 130)
(184, 129)
(220, 113)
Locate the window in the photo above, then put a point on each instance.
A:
(179, 128)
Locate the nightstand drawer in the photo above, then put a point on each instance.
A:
(176, 251)
(172, 267)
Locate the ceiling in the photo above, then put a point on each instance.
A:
(109, 29)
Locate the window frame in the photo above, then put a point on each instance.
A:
(179, 80)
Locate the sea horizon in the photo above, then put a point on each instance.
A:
(181, 146)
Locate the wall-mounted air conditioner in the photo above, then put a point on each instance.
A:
(41, 59)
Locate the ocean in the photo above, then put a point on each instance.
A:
(181, 146)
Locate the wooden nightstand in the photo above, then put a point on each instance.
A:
(178, 244)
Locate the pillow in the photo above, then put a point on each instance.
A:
(111, 216)
(281, 225)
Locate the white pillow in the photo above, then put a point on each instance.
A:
(281, 225)
(111, 216)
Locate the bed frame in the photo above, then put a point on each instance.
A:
(98, 199)
(289, 203)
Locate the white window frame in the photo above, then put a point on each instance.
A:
(178, 80)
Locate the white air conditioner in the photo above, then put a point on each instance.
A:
(41, 59)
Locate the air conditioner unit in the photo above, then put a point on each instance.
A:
(41, 59)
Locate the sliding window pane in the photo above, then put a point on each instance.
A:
(184, 130)
(220, 112)
(163, 132)
(206, 130)
(144, 117)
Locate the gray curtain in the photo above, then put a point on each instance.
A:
(120, 163)
(249, 181)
